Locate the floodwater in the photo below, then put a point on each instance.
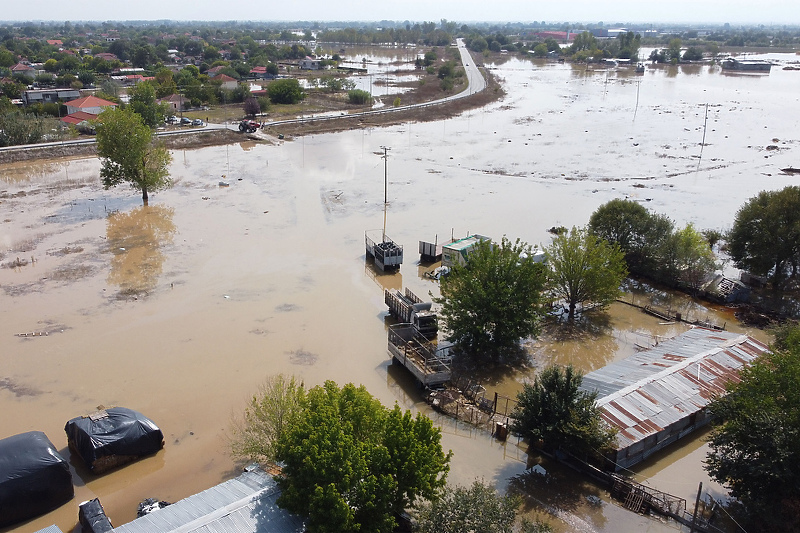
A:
(180, 309)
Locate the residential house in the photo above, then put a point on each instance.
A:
(261, 73)
(655, 397)
(55, 42)
(227, 82)
(175, 102)
(89, 104)
(25, 70)
(215, 71)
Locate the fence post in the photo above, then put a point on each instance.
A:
(494, 408)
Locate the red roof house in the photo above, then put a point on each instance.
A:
(89, 104)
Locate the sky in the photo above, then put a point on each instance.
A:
(735, 12)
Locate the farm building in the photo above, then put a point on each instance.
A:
(658, 396)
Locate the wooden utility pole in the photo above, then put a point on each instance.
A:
(696, 505)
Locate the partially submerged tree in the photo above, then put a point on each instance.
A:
(130, 153)
(694, 259)
(553, 410)
(494, 300)
(584, 270)
(350, 464)
(755, 449)
(765, 237)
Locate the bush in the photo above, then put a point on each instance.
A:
(359, 97)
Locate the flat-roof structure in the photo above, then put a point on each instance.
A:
(658, 396)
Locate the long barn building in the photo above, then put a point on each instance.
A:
(658, 396)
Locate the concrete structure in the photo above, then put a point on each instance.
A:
(25, 70)
(658, 396)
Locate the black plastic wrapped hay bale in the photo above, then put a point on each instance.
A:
(34, 478)
(112, 437)
(93, 517)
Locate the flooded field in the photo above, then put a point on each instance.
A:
(180, 309)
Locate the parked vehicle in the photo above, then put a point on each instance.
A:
(172, 120)
(185, 121)
(198, 122)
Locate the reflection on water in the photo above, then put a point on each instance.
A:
(135, 240)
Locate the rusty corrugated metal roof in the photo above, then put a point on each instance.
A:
(653, 389)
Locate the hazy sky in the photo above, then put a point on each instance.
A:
(610, 12)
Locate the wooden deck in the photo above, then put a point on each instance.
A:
(429, 363)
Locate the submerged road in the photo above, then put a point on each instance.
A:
(475, 84)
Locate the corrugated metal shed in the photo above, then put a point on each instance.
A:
(245, 504)
(663, 387)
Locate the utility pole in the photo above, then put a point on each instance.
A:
(385, 157)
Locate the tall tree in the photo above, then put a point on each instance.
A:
(494, 300)
(553, 410)
(130, 153)
(585, 270)
(143, 102)
(349, 463)
(755, 449)
(765, 237)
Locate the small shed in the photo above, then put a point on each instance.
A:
(658, 396)
(34, 478)
(112, 437)
(726, 290)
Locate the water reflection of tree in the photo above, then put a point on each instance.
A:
(135, 239)
(587, 343)
(562, 493)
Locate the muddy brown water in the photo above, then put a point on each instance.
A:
(180, 309)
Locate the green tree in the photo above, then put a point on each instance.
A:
(643, 237)
(540, 50)
(585, 270)
(17, 128)
(285, 91)
(693, 53)
(275, 409)
(349, 463)
(765, 237)
(143, 102)
(130, 153)
(478, 508)
(754, 448)
(694, 259)
(554, 411)
(674, 50)
(493, 301)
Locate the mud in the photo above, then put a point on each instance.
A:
(181, 309)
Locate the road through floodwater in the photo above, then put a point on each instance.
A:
(180, 309)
